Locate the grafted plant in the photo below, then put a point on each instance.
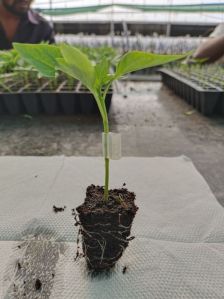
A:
(48, 59)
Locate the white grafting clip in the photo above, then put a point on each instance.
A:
(111, 145)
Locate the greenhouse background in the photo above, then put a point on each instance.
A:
(151, 11)
(123, 23)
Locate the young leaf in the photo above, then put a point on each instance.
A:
(5, 56)
(70, 70)
(102, 73)
(81, 67)
(42, 57)
(137, 60)
(76, 73)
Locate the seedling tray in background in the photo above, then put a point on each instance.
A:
(206, 99)
(36, 100)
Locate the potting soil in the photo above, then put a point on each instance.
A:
(178, 247)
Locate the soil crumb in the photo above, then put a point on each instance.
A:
(58, 209)
(38, 285)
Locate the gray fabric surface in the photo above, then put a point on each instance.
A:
(178, 251)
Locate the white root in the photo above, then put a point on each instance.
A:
(100, 238)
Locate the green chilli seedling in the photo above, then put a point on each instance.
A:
(105, 225)
(49, 59)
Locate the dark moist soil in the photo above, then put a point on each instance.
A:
(105, 225)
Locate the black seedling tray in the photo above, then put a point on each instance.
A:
(203, 98)
(33, 101)
(11, 101)
(2, 106)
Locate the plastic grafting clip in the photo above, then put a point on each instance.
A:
(111, 145)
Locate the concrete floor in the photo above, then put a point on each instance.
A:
(152, 120)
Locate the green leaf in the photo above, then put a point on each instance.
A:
(66, 68)
(43, 57)
(137, 60)
(79, 64)
(74, 72)
(102, 73)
